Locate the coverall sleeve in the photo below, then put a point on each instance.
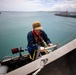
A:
(45, 37)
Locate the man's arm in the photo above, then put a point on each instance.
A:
(46, 39)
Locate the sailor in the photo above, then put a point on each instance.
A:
(37, 40)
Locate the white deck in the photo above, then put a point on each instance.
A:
(51, 57)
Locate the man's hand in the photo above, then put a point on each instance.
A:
(42, 49)
(50, 44)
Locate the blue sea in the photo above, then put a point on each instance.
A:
(14, 27)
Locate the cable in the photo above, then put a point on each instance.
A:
(67, 39)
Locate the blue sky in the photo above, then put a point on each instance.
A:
(37, 5)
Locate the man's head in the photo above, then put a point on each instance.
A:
(37, 25)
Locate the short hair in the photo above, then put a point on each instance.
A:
(36, 24)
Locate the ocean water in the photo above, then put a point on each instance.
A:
(14, 27)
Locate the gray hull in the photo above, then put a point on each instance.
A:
(65, 65)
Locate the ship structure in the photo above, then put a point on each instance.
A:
(61, 61)
(66, 14)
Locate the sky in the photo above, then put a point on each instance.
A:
(37, 5)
